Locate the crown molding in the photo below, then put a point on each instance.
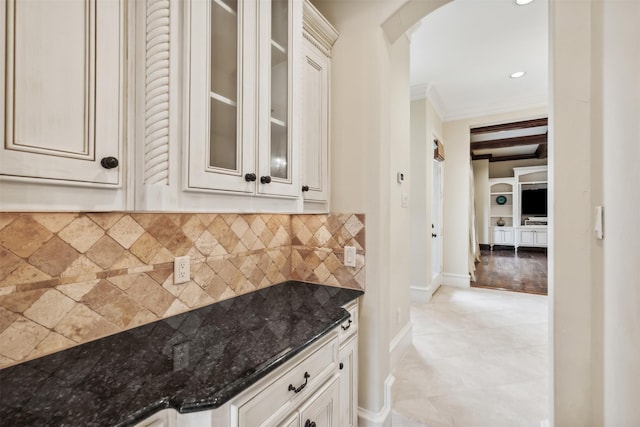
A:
(317, 29)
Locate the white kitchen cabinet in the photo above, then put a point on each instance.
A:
(348, 334)
(502, 236)
(348, 406)
(272, 401)
(321, 410)
(164, 418)
(63, 73)
(532, 236)
(243, 74)
(318, 38)
(318, 385)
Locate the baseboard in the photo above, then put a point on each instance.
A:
(399, 344)
(420, 295)
(381, 418)
(457, 280)
(484, 246)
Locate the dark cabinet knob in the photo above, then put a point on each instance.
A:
(434, 235)
(265, 179)
(109, 162)
(305, 188)
(310, 423)
(341, 366)
(250, 177)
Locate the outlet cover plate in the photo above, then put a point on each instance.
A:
(181, 270)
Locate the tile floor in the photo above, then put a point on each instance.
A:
(479, 358)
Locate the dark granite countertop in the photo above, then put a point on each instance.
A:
(190, 362)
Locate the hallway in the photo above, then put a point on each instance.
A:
(479, 358)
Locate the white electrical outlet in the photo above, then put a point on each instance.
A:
(350, 256)
(181, 270)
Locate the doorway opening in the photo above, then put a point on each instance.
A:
(510, 186)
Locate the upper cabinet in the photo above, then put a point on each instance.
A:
(199, 105)
(62, 72)
(243, 88)
(319, 36)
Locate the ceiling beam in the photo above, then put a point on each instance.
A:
(510, 142)
(541, 152)
(481, 156)
(511, 126)
(514, 157)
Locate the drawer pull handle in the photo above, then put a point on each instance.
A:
(344, 328)
(310, 423)
(299, 389)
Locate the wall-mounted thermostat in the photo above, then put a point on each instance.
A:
(400, 177)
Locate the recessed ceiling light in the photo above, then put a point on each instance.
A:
(522, 2)
(517, 74)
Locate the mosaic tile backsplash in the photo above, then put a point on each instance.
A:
(69, 278)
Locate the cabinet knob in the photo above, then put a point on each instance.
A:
(341, 366)
(250, 177)
(109, 162)
(265, 179)
(305, 188)
(310, 423)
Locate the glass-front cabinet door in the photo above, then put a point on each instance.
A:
(241, 91)
(221, 153)
(280, 21)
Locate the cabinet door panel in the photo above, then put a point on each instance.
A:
(541, 237)
(323, 407)
(507, 236)
(63, 77)
(314, 129)
(222, 96)
(527, 237)
(278, 81)
(349, 384)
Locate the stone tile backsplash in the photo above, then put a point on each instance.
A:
(69, 278)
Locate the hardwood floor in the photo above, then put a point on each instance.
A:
(524, 271)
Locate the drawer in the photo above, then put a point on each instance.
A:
(349, 327)
(298, 381)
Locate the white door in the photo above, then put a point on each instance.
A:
(436, 225)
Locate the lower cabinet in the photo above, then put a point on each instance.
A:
(349, 383)
(322, 408)
(272, 400)
(316, 388)
(501, 236)
(528, 236)
(164, 418)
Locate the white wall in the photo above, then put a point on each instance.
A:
(400, 216)
(420, 191)
(621, 157)
(570, 279)
(481, 182)
(370, 121)
(505, 169)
